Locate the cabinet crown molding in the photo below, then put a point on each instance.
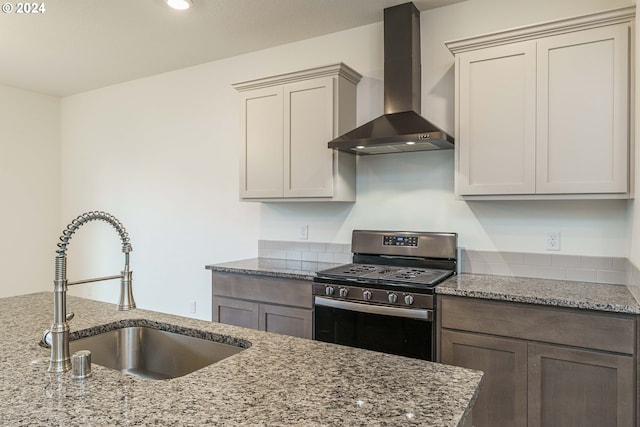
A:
(528, 32)
(339, 69)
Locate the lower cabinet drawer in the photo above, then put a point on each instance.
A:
(572, 327)
(282, 291)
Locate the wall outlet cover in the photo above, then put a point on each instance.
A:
(303, 233)
(553, 241)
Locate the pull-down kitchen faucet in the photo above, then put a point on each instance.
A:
(60, 360)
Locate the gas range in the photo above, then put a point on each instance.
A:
(391, 268)
(383, 300)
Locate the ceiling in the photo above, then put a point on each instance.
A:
(80, 45)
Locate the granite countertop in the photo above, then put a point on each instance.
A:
(278, 380)
(291, 269)
(560, 293)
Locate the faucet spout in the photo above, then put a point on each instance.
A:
(60, 360)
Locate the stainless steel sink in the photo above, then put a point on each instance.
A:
(151, 353)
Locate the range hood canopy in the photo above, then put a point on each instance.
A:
(401, 128)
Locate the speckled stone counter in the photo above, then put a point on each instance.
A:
(278, 380)
(304, 270)
(560, 293)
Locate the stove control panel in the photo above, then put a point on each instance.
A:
(390, 240)
(374, 296)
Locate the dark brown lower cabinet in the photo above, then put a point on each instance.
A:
(283, 306)
(529, 382)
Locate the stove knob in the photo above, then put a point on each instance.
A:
(408, 299)
(367, 295)
(344, 292)
(393, 298)
(328, 290)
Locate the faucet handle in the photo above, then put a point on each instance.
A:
(46, 338)
(46, 335)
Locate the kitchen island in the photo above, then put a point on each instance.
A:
(278, 380)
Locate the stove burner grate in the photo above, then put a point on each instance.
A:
(386, 274)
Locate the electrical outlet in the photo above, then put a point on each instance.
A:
(303, 233)
(553, 241)
(192, 307)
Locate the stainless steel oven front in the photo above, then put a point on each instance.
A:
(374, 326)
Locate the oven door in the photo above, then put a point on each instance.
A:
(394, 330)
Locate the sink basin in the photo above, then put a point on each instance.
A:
(151, 353)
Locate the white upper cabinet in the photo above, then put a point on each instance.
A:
(287, 122)
(543, 111)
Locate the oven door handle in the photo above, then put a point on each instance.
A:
(376, 309)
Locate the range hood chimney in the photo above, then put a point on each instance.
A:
(401, 128)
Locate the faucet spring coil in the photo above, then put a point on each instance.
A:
(61, 267)
(79, 221)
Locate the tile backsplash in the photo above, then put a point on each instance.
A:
(610, 270)
(305, 251)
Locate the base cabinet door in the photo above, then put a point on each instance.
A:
(503, 397)
(236, 312)
(291, 321)
(572, 387)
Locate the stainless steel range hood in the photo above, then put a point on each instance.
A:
(401, 128)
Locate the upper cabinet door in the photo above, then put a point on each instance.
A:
(308, 126)
(583, 109)
(261, 164)
(497, 120)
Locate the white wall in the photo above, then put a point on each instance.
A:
(426, 201)
(29, 190)
(161, 154)
(634, 207)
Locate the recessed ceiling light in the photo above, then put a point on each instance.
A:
(179, 4)
(411, 143)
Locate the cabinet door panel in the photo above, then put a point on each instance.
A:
(308, 127)
(570, 387)
(582, 112)
(261, 167)
(497, 120)
(503, 397)
(236, 312)
(286, 320)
